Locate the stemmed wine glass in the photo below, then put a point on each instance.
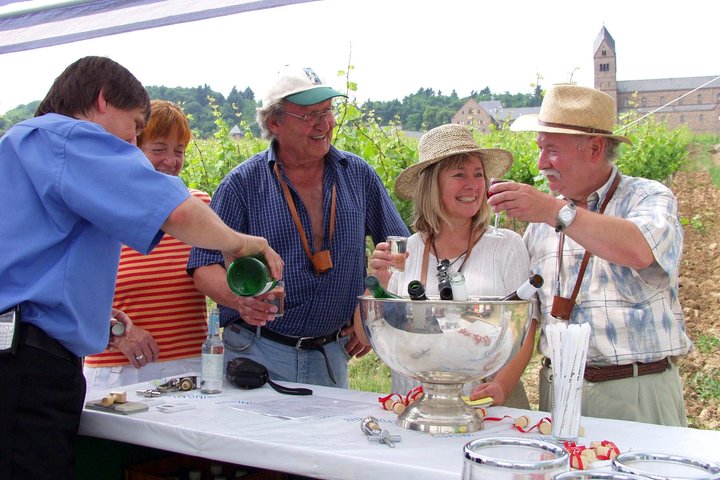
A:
(496, 233)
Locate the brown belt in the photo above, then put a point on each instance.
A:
(616, 372)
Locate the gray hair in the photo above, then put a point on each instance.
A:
(265, 113)
(611, 146)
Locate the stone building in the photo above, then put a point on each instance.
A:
(480, 115)
(691, 101)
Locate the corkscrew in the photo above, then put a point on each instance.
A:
(375, 434)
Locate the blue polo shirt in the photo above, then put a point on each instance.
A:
(250, 200)
(70, 194)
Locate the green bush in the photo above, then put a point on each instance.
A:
(657, 152)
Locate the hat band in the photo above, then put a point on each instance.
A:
(574, 127)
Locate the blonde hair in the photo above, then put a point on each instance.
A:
(428, 210)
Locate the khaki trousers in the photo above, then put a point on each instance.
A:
(656, 398)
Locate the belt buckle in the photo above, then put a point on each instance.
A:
(298, 345)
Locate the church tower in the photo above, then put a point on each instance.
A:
(605, 64)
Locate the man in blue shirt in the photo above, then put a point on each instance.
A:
(315, 205)
(73, 188)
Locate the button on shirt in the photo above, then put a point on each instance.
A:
(635, 315)
(250, 200)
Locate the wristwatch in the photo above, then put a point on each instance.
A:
(565, 216)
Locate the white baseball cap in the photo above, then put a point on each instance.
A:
(301, 86)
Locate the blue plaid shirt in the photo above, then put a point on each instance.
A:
(250, 200)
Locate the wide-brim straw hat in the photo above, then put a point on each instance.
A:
(573, 110)
(443, 142)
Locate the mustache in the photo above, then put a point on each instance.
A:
(550, 172)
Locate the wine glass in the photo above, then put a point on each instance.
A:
(496, 233)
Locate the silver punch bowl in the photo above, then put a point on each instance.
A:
(444, 344)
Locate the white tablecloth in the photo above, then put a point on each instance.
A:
(319, 435)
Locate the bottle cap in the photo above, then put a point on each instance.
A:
(457, 277)
(118, 329)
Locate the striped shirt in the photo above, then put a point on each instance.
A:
(634, 315)
(158, 295)
(250, 200)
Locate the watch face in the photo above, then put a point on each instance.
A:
(566, 215)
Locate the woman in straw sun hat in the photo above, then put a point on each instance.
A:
(450, 216)
(630, 228)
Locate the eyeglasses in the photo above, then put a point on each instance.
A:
(313, 118)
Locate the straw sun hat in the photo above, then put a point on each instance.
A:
(573, 110)
(445, 141)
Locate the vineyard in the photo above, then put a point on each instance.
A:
(657, 153)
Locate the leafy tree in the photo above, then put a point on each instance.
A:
(18, 114)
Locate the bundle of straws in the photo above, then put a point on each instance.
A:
(568, 351)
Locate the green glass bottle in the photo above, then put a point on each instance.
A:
(373, 284)
(249, 277)
(416, 290)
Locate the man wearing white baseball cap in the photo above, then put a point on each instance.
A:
(316, 204)
(611, 246)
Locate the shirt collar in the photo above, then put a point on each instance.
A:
(334, 156)
(594, 198)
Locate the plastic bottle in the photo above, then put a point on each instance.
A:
(249, 277)
(457, 285)
(416, 290)
(211, 377)
(526, 290)
(373, 284)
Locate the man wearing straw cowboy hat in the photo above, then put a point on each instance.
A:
(611, 244)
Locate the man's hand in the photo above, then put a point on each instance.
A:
(253, 245)
(354, 347)
(524, 202)
(255, 310)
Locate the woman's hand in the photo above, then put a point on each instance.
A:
(380, 263)
(490, 389)
(137, 344)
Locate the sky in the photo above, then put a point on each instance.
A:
(398, 46)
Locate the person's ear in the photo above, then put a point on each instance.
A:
(597, 148)
(273, 123)
(101, 103)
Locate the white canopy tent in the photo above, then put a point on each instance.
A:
(26, 24)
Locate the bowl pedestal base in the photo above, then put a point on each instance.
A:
(441, 410)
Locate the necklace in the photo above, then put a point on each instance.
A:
(426, 253)
(463, 255)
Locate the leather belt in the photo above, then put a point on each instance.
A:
(596, 374)
(33, 336)
(298, 343)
